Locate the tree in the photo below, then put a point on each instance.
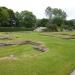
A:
(6, 17)
(42, 22)
(56, 17)
(69, 24)
(59, 13)
(18, 19)
(28, 19)
(55, 12)
(48, 12)
(12, 18)
(25, 19)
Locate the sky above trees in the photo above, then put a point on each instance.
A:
(38, 6)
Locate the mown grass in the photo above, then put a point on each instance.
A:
(58, 60)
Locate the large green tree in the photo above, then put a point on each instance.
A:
(7, 17)
(26, 19)
(56, 18)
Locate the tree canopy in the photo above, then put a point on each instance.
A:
(26, 19)
(56, 19)
(6, 17)
(55, 12)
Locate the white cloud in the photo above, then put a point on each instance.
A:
(38, 6)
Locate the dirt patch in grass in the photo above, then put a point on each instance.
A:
(11, 57)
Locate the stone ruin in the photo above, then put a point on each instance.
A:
(5, 38)
(36, 45)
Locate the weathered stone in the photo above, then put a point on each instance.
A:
(5, 38)
(7, 44)
(40, 29)
(39, 48)
(73, 73)
(36, 43)
(24, 42)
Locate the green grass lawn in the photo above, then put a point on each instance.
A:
(58, 60)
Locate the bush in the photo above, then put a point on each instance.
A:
(12, 29)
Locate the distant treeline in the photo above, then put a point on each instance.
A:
(26, 20)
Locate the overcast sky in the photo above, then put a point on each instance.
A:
(38, 6)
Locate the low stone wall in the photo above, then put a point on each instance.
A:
(5, 38)
(36, 45)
